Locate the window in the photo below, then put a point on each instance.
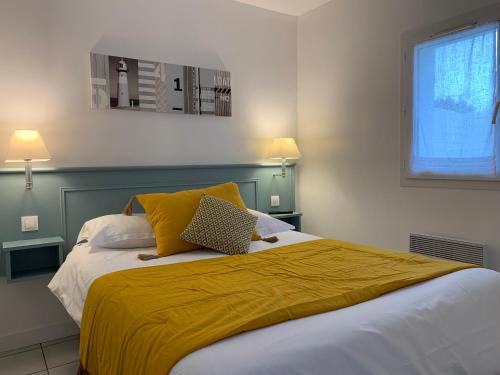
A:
(450, 104)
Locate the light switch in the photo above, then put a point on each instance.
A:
(29, 223)
(275, 200)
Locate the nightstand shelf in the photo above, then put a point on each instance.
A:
(293, 218)
(28, 259)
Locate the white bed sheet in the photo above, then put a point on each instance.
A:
(449, 325)
(85, 263)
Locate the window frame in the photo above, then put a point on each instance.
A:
(409, 40)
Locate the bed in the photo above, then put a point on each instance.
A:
(448, 325)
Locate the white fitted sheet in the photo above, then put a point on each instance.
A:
(449, 325)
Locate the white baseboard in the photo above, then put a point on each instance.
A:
(35, 336)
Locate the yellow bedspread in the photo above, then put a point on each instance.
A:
(142, 321)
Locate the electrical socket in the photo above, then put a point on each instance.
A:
(275, 200)
(29, 223)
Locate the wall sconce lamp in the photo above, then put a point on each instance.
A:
(27, 146)
(284, 148)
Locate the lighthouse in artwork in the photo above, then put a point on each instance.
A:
(123, 98)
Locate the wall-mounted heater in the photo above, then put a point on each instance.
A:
(448, 248)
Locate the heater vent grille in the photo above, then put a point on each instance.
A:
(448, 248)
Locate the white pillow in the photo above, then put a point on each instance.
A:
(118, 232)
(267, 224)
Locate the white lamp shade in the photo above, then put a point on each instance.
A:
(27, 145)
(284, 148)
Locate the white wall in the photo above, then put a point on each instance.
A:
(30, 314)
(45, 75)
(349, 108)
(45, 84)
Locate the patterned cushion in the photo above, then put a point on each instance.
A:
(221, 225)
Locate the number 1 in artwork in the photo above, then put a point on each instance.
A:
(177, 84)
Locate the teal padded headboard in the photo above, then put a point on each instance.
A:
(64, 199)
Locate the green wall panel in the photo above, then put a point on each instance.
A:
(64, 199)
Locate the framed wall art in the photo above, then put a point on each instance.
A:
(148, 86)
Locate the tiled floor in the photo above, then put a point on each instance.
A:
(59, 357)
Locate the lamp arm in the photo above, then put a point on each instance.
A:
(283, 169)
(29, 174)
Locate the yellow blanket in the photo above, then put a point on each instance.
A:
(144, 320)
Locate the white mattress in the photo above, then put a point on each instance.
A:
(449, 325)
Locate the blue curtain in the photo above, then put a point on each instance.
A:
(453, 99)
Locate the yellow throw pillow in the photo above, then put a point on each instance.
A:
(171, 213)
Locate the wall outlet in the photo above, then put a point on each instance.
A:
(275, 200)
(29, 223)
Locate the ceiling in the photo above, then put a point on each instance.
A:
(291, 7)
